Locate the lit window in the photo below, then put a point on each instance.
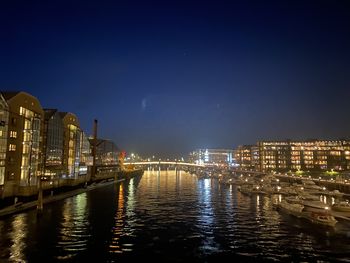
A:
(12, 147)
(13, 134)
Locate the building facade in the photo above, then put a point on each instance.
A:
(243, 156)
(274, 155)
(53, 138)
(4, 112)
(24, 141)
(216, 157)
(71, 144)
(42, 143)
(310, 155)
(85, 155)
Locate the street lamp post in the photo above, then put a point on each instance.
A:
(40, 205)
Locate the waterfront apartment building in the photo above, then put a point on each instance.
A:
(24, 142)
(46, 143)
(71, 144)
(218, 157)
(66, 148)
(53, 144)
(4, 112)
(310, 155)
(247, 156)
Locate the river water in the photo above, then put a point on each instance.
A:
(169, 217)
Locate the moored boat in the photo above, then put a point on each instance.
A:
(336, 193)
(322, 218)
(291, 208)
(341, 206)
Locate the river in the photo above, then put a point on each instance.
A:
(169, 217)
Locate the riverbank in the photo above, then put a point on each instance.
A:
(22, 206)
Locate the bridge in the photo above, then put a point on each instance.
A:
(165, 162)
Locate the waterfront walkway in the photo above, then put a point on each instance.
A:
(20, 207)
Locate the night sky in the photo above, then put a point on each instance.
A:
(164, 78)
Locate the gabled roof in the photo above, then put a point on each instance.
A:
(9, 94)
(69, 117)
(3, 101)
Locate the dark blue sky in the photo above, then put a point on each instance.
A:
(170, 76)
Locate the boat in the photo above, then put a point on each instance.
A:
(257, 190)
(336, 193)
(342, 206)
(291, 208)
(286, 190)
(308, 197)
(315, 206)
(294, 200)
(129, 173)
(245, 189)
(322, 218)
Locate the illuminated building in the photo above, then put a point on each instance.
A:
(23, 146)
(247, 156)
(66, 148)
(220, 157)
(310, 155)
(71, 143)
(274, 155)
(53, 144)
(3, 140)
(85, 154)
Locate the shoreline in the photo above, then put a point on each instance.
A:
(20, 207)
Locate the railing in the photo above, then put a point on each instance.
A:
(164, 162)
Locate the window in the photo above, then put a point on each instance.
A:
(13, 134)
(10, 175)
(12, 147)
(13, 121)
(2, 175)
(25, 149)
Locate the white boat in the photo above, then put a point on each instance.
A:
(312, 203)
(308, 197)
(291, 208)
(310, 187)
(322, 218)
(287, 190)
(315, 206)
(336, 193)
(294, 200)
(341, 206)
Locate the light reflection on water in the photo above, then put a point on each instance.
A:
(13, 238)
(115, 246)
(200, 217)
(206, 216)
(74, 230)
(18, 237)
(172, 216)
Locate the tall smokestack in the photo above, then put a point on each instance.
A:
(95, 131)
